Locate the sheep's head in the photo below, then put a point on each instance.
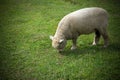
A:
(58, 43)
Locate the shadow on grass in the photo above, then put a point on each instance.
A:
(92, 50)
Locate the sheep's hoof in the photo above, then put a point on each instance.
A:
(60, 50)
(94, 44)
(73, 47)
(105, 46)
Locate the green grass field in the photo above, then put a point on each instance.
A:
(25, 48)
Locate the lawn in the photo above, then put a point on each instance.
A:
(25, 48)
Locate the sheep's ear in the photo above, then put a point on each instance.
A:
(51, 37)
(61, 40)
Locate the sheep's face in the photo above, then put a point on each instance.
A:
(57, 43)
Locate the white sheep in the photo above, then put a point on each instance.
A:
(83, 21)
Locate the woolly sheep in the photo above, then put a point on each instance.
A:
(83, 21)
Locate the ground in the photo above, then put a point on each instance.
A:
(25, 48)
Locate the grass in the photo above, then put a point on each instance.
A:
(25, 47)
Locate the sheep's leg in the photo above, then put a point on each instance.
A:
(106, 38)
(74, 44)
(96, 38)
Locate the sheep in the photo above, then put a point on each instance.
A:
(83, 21)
